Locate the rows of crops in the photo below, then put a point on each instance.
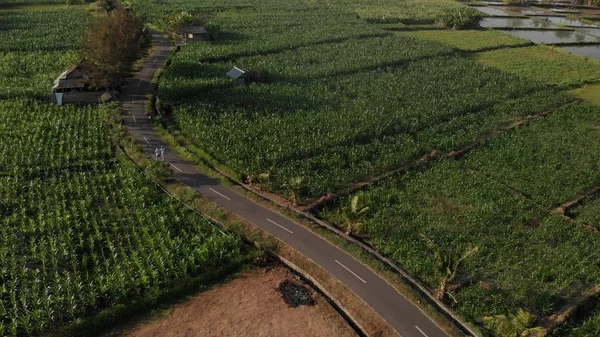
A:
(498, 198)
(336, 100)
(334, 121)
(35, 50)
(82, 232)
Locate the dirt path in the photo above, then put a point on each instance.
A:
(250, 305)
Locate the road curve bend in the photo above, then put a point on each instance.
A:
(401, 314)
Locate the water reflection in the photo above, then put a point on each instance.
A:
(591, 31)
(553, 36)
(492, 11)
(592, 52)
(514, 23)
(560, 20)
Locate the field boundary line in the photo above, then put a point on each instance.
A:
(569, 309)
(434, 154)
(579, 199)
(411, 281)
(405, 275)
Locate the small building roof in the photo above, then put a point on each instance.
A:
(235, 73)
(105, 97)
(194, 30)
(74, 77)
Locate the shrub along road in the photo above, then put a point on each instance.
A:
(401, 314)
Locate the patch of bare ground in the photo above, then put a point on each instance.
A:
(251, 305)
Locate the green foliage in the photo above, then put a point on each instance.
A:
(106, 5)
(98, 233)
(468, 40)
(447, 262)
(499, 198)
(159, 170)
(177, 19)
(31, 31)
(332, 120)
(515, 325)
(81, 230)
(544, 63)
(405, 11)
(459, 18)
(353, 214)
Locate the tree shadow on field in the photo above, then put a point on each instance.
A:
(265, 52)
(213, 89)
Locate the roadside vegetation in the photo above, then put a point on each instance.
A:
(497, 200)
(491, 142)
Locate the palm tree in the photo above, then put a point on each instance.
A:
(295, 185)
(447, 263)
(519, 325)
(353, 214)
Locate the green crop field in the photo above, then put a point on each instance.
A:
(498, 198)
(335, 121)
(468, 40)
(544, 63)
(85, 238)
(338, 98)
(35, 50)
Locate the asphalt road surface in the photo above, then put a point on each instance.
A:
(401, 314)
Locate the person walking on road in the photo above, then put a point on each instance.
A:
(162, 153)
(156, 152)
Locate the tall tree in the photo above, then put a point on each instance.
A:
(112, 45)
(353, 215)
(447, 262)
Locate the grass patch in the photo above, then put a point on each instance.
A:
(548, 64)
(589, 93)
(468, 40)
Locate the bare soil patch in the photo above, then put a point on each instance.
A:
(251, 305)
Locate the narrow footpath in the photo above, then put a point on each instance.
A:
(402, 315)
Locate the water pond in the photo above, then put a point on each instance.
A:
(561, 20)
(553, 36)
(592, 52)
(514, 23)
(492, 11)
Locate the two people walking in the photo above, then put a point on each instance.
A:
(160, 153)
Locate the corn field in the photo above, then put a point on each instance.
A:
(335, 121)
(81, 230)
(498, 198)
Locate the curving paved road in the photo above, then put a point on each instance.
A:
(401, 314)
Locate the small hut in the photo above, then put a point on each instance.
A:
(194, 34)
(238, 76)
(73, 86)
